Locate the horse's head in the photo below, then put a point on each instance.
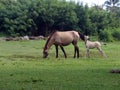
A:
(86, 38)
(45, 53)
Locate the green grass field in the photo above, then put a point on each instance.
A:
(23, 68)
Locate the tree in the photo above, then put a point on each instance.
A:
(66, 18)
(99, 19)
(40, 17)
(112, 4)
(113, 8)
(84, 21)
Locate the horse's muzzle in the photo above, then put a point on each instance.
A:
(45, 55)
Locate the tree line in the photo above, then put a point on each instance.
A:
(40, 17)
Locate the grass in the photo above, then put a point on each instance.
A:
(23, 68)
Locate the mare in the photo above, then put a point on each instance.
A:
(90, 45)
(61, 39)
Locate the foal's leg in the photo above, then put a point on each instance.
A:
(56, 46)
(101, 51)
(87, 52)
(63, 51)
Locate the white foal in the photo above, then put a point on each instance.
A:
(90, 45)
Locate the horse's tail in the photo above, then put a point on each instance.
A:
(81, 36)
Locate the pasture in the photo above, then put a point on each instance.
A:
(23, 68)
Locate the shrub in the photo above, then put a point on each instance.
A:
(105, 35)
(116, 34)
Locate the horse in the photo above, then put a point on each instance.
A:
(62, 38)
(90, 45)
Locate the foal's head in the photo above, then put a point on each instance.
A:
(86, 37)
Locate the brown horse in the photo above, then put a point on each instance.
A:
(61, 39)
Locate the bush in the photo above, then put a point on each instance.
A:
(105, 35)
(2, 34)
(116, 34)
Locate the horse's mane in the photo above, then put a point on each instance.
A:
(81, 36)
(49, 37)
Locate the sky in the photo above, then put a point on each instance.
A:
(90, 2)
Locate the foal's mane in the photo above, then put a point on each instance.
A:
(81, 36)
(49, 39)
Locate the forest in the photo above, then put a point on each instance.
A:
(41, 17)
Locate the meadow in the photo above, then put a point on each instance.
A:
(23, 68)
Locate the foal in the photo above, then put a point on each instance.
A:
(90, 45)
(61, 39)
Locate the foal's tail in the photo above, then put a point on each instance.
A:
(81, 36)
(102, 43)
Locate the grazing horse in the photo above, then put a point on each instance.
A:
(90, 45)
(61, 39)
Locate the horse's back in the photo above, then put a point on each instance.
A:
(66, 34)
(94, 44)
(66, 37)
(98, 43)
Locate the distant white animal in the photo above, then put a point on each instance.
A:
(24, 38)
(90, 45)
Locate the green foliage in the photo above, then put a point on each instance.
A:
(110, 34)
(105, 35)
(116, 34)
(40, 17)
(99, 20)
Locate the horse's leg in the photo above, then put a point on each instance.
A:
(63, 51)
(77, 49)
(56, 46)
(101, 51)
(87, 52)
(74, 51)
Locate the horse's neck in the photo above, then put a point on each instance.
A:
(49, 43)
(81, 36)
